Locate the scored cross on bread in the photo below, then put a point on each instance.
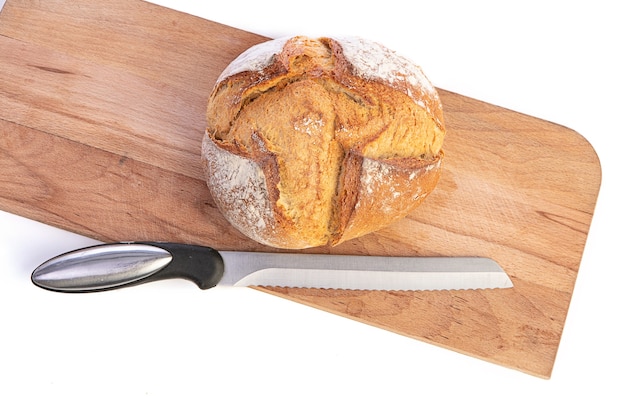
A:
(313, 142)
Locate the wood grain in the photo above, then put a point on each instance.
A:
(101, 118)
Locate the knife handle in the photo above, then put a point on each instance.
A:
(200, 264)
(114, 265)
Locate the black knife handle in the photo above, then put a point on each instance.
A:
(200, 264)
(115, 265)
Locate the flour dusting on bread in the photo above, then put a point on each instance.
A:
(242, 186)
(314, 142)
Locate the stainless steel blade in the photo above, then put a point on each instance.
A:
(361, 272)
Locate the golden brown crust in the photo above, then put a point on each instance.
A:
(314, 142)
(387, 190)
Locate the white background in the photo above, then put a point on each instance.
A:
(559, 61)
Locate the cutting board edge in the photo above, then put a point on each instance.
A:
(527, 115)
(546, 375)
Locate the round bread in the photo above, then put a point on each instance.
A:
(312, 142)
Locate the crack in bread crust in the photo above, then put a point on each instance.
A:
(332, 150)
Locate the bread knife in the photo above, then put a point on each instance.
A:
(115, 265)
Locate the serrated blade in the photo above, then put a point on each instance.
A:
(361, 272)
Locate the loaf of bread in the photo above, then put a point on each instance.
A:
(313, 142)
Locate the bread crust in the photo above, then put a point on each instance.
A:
(315, 142)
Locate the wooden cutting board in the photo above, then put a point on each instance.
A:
(101, 118)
